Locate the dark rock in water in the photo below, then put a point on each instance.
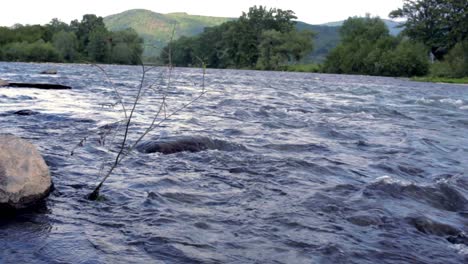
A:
(49, 71)
(458, 239)
(45, 86)
(25, 112)
(24, 175)
(429, 226)
(171, 145)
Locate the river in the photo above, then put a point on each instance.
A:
(329, 169)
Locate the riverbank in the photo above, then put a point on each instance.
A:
(463, 80)
(315, 68)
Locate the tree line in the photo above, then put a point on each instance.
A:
(368, 48)
(87, 40)
(263, 38)
(434, 31)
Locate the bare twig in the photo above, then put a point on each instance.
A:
(124, 150)
(113, 87)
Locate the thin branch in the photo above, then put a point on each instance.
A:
(113, 87)
(94, 195)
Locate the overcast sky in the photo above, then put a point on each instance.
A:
(310, 11)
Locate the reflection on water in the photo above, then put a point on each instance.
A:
(332, 169)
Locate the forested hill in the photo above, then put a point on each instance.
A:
(156, 29)
(326, 38)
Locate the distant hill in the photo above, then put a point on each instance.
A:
(326, 38)
(392, 25)
(156, 28)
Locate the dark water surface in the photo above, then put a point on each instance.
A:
(330, 169)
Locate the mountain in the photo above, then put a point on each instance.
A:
(326, 38)
(393, 26)
(156, 29)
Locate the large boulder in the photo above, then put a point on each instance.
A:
(176, 144)
(24, 175)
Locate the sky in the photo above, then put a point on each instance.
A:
(309, 11)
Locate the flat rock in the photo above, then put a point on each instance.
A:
(24, 175)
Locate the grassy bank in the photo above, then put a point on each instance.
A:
(463, 80)
(303, 68)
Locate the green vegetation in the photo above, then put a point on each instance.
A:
(303, 68)
(326, 38)
(442, 26)
(436, 27)
(441, 80)
(368, 48)
(266, 39)
(156, 29)
(393, 26)
(260, 39)
(88, 40)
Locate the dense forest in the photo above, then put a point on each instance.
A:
(87, 40)
(260, 39)
(434, 41)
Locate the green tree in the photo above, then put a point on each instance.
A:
(262, 37)
(66, 44)
(457, 60)
(89, 23)
(278, 49)
(454, 64)
(126, 47)
(358, 28)
(38, 51)
(368, 48)
(439, 24)
(15, 51)
(407, 59)
(98, 48)
(7, 35)
(58, 41)
(41, 51)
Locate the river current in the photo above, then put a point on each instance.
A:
(328, 168)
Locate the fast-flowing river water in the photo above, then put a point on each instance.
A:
(324, 169)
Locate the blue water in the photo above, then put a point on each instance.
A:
(331, 169)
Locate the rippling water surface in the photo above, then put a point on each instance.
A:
(332, 169)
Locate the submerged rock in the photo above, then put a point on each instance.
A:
(171, 145)
(49, 71)
(24, 175)
(25, 112)
(429, 226)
